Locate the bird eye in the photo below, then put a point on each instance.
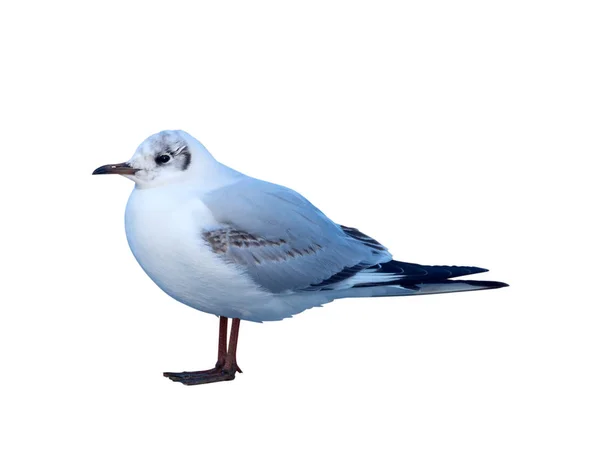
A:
(161, 159)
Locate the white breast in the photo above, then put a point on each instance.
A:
(164, 231)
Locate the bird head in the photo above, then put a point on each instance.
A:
(163, 158)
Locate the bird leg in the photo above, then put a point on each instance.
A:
(226, 365)
(230, 358)
(222, 343)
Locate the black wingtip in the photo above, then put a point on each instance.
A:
(486, 284)
(478, 270)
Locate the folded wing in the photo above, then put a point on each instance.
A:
(281, 240)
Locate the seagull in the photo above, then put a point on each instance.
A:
(244, 249)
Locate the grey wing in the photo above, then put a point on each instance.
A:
(282, 241)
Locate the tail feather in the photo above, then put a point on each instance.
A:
(450, 286)
(447, 286)
(409, 273)
(396, 278)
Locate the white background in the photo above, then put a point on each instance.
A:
(453, 132)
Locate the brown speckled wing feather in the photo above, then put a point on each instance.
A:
(227, 240)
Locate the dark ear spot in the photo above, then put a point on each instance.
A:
(186, 157)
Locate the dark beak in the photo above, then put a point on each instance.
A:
(117, 168)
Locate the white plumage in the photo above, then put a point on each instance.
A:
(234, 246)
